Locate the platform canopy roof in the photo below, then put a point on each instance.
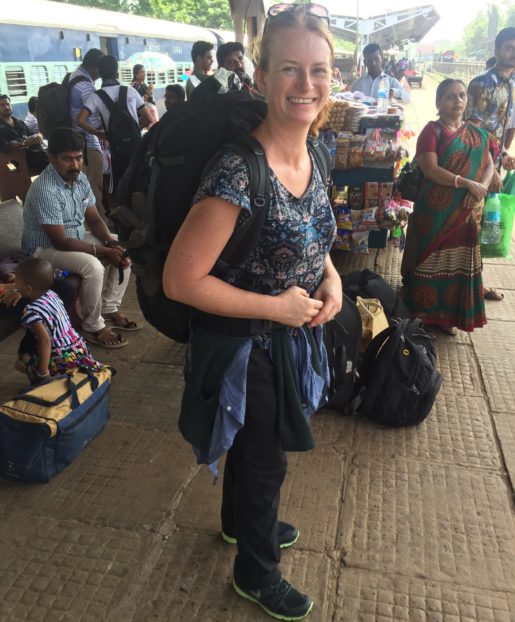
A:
(395, 28)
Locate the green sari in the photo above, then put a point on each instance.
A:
(442, 263)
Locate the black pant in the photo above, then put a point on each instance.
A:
(254, 472)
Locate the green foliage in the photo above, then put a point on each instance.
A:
(125, 6)
(476, 35)
(509, 17)
(493, 21)
(208, 13)
(341, 44)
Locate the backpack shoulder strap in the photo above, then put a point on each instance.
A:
(122, 98)
(245, 238)
(321, 156)
(71, 83)
(109, 103)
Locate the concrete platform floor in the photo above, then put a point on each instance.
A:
(407, 525)
(411, 525)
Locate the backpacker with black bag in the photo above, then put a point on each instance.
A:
(157, 191)
(53, 106)
(342, 337)
(122, 131)
(398, 381)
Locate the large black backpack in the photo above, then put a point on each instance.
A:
(369, 284)
(53, 106)
(156, 193)
(398, 381)
(122, 131)
(342, 338)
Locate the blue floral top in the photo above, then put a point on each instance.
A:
(297, 234)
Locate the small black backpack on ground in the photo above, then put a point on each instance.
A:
(122, 131)
(398, 381)
(342, 336)
(157, 189)
(53, 106)
(368, 284)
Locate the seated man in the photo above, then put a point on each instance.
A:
(14, 134)
(59, 203)
(31, 120)
(368, 84)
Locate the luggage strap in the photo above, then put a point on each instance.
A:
(73, 387)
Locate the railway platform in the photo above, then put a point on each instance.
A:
(396, 525)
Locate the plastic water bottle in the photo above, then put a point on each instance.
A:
(491, 227)
(383, 92)
(331, 146)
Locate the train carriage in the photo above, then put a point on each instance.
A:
(41, 41)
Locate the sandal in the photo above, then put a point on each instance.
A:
(106, 338)
(21, 366)
(492, 294)
(121, 322)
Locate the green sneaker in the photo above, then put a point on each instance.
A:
(286, 534)
(281, 601)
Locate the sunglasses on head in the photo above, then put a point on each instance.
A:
(311, 9)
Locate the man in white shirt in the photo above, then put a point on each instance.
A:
(108, 67)
(95, 108)
(368, 84)
(30, 120)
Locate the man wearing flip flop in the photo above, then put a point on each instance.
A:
(59, 204)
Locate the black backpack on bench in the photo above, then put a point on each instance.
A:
(157, 189)
(398, 381)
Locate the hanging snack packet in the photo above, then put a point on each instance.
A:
(355, 197)
(360, 242)
(371, 194)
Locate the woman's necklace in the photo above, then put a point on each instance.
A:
(452, 129)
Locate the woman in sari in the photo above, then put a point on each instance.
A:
(441, 267)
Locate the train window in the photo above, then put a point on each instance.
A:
(151, 77)
(161, 77)
(126, 74)
(59, 72)
(171, 76)
(16, 83)
(38, 77)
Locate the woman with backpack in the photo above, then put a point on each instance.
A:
(258, 363)
(441, 267)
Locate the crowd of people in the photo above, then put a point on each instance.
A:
(259, 333)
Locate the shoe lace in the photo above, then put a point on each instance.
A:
(280, 590)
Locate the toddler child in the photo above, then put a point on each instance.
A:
(57, 348)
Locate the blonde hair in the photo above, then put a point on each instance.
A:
(296, 17)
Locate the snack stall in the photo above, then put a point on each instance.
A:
(368, 147)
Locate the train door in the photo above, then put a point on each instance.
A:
(109, 45)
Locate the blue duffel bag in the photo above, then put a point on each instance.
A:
(45, 428)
